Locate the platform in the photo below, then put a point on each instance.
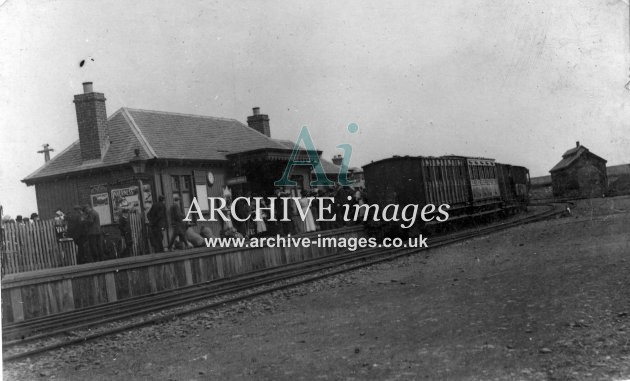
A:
(40, 293)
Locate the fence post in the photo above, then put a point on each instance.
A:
(34, 247)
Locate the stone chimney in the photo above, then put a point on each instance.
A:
(577, 144)
(337, 159)
(91, 120)
(259, 122)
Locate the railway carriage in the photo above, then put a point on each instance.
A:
(514, 186)
(472, 186)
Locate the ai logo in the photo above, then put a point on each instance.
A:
(313, 161)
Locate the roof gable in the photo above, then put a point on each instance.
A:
(571, 156)
(123, 141)
(161, 135)
(328, 167)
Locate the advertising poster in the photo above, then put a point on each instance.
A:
(100, 203)
(128, 198)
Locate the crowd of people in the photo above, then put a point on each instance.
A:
(185, 237)
(21, 220)
(312, 222)
(82, 224)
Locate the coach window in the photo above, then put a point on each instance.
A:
(182, 186)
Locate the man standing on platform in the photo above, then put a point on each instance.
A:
(77, 230)
(125, 231)
(179, 225)
(157, 224)
(93, 223)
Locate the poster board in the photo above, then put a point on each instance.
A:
(100, 203)
(128, 198)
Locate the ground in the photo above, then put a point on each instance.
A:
(549, 300)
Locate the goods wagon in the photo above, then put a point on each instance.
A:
(514, 186)
(472, 186)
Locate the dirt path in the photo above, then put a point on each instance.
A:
(549, 300)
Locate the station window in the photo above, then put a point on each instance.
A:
(182, 186)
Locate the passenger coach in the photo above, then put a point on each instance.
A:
(472, 186)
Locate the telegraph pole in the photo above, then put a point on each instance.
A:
(46, 151)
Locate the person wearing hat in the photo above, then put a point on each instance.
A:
(157, 224)
(178, 223)
(125, 231)
(61, 227)
(77, 230)
(94, 236)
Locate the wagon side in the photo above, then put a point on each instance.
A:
(484, 184)
(446, 181)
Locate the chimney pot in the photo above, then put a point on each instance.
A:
(92, 123)
(87, 87)
(577, 144)
(259, 122)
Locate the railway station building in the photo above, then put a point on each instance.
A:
(580, 174)
(135, 156)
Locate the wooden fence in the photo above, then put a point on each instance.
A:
(34, 247)
(140, 245)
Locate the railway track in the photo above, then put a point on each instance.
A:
(54, 330)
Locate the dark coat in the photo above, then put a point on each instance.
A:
(77, 228)
(125, 228)
(157, 215)
(177, 219)
(93, 221)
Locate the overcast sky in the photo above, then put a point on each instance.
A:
(516, 81)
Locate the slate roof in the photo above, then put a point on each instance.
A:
(161, 135)
(572, 151)
(571, 156)
(617, 170)
(540, 181)
(329, 167)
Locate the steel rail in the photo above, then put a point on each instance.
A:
(368, 258)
